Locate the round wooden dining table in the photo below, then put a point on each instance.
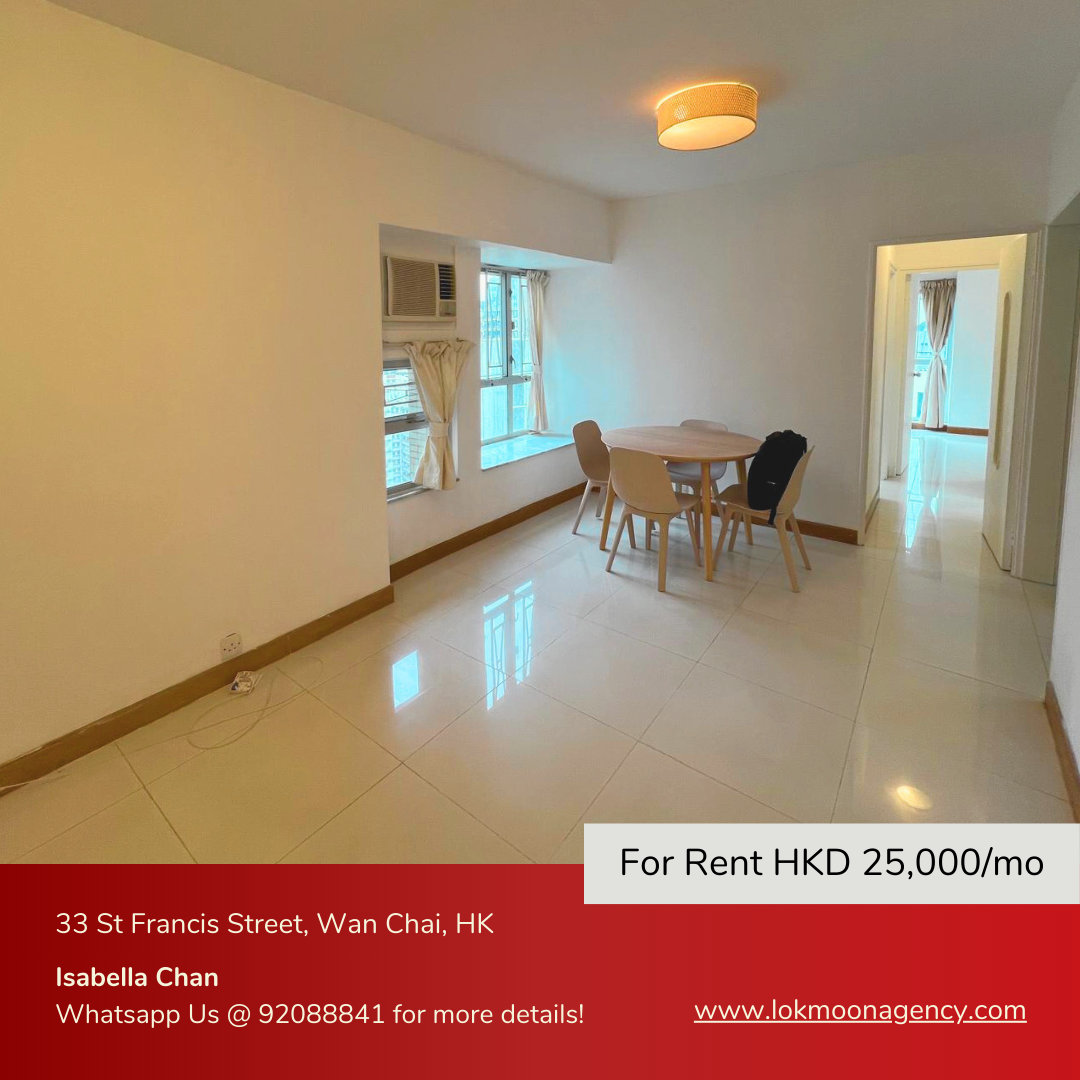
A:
(683, 444)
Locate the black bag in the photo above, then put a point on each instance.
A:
(771, 470)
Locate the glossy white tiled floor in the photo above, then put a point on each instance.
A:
(516, 691)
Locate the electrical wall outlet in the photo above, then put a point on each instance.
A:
(231, 646)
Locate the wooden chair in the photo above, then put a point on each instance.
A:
(736, 507)
(593, 458)
(688, 473)
(643, 484)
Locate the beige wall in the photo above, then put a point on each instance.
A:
(1065, 660)
(191, 438)
(1064, 184)
(750, 302)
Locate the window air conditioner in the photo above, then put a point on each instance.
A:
(420, 290)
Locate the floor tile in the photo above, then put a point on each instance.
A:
(849, 614)
(1045, 645)
(652, 787)
(334, 653)
(527, 766)
(571, 578)
(681, 624)
(980, 647)
(42, 809)
(807, 665)
(430, 593)
(157, 748)
(403, 819)
(503, 628)
(986, 598)
(974, 724)
(256, 799)
(609, 676)
(1040, 599)
(493, 559)
(779, 751)
(866, 574)
(882, 767)
(406, 694)
(130, 831)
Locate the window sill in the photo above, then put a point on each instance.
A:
(417, 490)
(506, 452)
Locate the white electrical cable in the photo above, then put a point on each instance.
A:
(198, 726)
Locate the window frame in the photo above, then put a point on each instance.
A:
(510, 379)
(395, 425)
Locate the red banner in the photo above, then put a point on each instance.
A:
(502, 971)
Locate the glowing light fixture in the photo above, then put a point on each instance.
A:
(916, 799)
(706, 116)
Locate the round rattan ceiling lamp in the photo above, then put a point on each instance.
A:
(706, 116)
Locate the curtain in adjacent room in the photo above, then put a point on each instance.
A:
(938, 298)
(538, 418)
(438, 366)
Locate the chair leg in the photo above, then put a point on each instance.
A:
(630, 531)
(648, 533)
(725, 521)
(798, 540)
(735, 518)
(581, 508)
(661, 576)
(693, 536)
(785, 548)
(749, 531)
(618, 537)
(601, 495)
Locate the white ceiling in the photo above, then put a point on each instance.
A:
(566, 88)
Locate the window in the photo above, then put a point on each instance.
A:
(505, 358)
(406, 426)
(923, 355)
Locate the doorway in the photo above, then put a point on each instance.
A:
(952, 331)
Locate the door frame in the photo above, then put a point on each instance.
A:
(1032, 286)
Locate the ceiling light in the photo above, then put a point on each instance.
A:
(706, 116)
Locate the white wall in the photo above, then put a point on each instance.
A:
(750, 302)
(971, 369)
(191, 438)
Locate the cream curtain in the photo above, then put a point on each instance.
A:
(438, 366)
(538, 418)
(938, 297)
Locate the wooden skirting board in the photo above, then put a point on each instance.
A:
(948, 429)
(98, 733)
(1064, 749)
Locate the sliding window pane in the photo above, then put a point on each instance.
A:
(521, 406)
(492, 326)
(493, 415)
(519, 333)
(403, 452)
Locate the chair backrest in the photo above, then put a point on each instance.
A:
(794, 485)
(705, 425)
(642, 482)
(592, 454)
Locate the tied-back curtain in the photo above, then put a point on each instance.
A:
(438, 366)
(939, 298)
(538, 418)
